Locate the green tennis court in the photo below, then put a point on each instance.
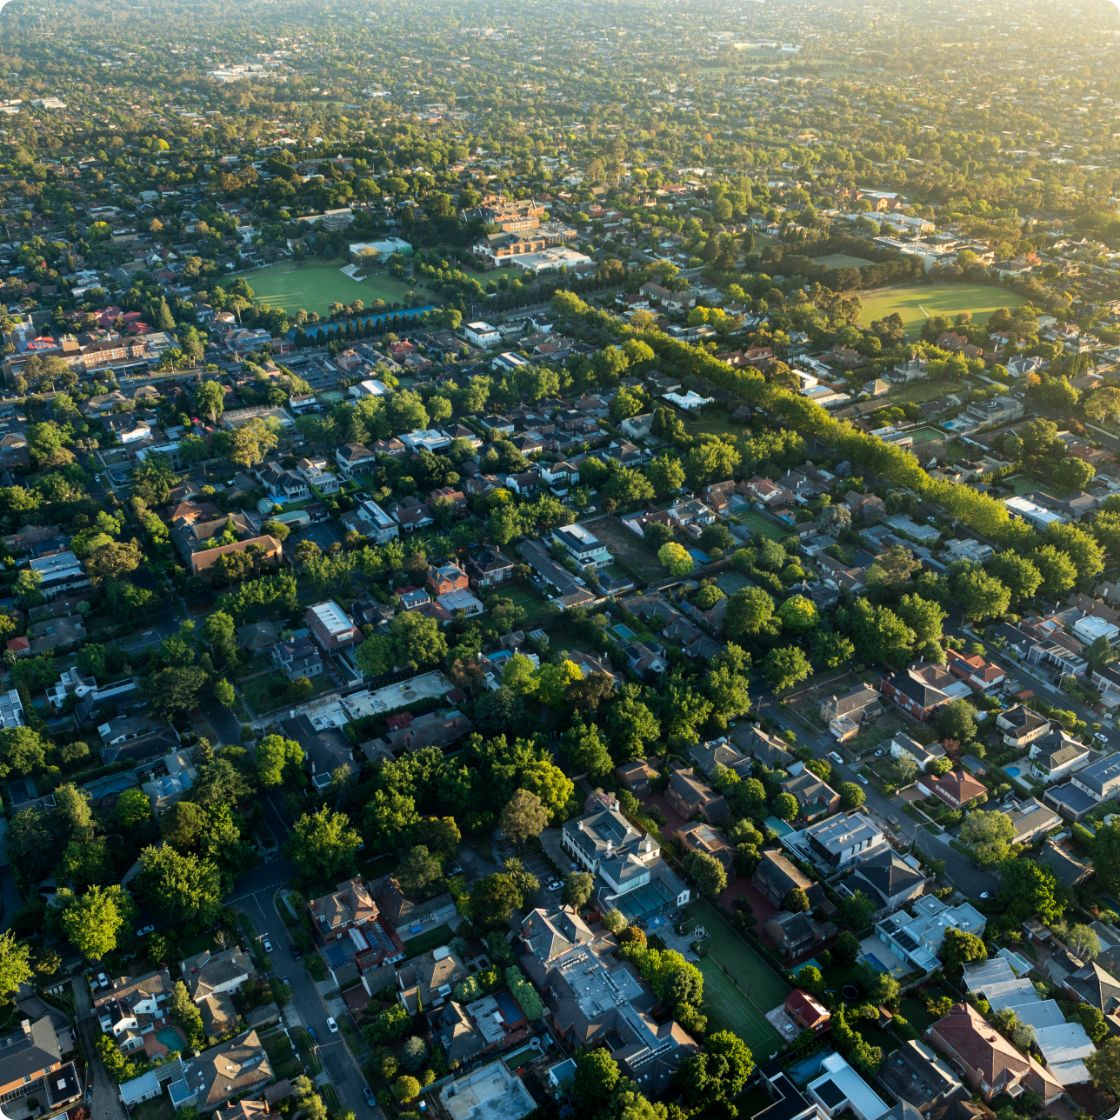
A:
(739, 986)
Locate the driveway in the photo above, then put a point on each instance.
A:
(105, 1100)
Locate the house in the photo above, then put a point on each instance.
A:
(908, 942)
(815, 798)
(426, 981)
(207, 974)
(921, 689)
(1096, 986)
(836, 842)
(31, 1062)
(776, 875)
(922, 755)
(974, 670)
(838, 1090)
(352, 458)
(264, 550)
(890, 880)
(486, 1091)
(443, 579)
(369, 520)
(58, 571)
(486, 567)
(410, 919)
(298, 657)
(331, 626)
(349, 906)
(844, 714)
(582, 546)
(796, 935)
(594, 996)
(636, 776)
(481, 334)
(1021, 726)
(1032, 820)
(1056, 755)
(916, 1075)
(957, 788)
(621, 858)
(1100, 779)
(690, 797)
(806, 1011)
(702, 837)
(990, 1065)
(133, 1008)
(222, 1073)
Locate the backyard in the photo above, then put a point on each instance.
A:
(314, 286)
(739, 986)
(917, 302)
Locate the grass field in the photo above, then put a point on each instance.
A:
(316, 285)
(739, 986)
(762, 525)
(841, 260)
(918, 302)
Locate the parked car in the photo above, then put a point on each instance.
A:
(835, 757)
(332, 1026)
(862, 779)
(266, 944)
(368, 1093)
(555, 885)
(143, 931)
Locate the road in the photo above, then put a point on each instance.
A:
(960, 871)
(104, 1096)
(257, 899)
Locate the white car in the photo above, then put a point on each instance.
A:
(332, 1026)
(862, 779)
(266, 944)
(556, 885)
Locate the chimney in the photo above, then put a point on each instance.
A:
(26, 1025)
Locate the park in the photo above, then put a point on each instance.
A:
(315, 285)
(917, 302)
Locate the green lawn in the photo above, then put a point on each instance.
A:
(739, 986)
(841, 260)
(761, 525)
(314, 286)
(918, 302)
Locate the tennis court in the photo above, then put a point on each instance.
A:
(739, 986)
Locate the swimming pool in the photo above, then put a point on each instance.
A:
(623, 631)
(1012, 771)
(172, 1039)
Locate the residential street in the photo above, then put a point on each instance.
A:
(257, 900)
(959, 870)
(105, 1101)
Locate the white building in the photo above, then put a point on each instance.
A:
(480, 333)
(582, 546)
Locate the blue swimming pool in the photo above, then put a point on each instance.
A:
(1012, 771)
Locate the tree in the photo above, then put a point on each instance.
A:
(1029, 890)
(419, 872)
(324, 844)
(132, 810)
(210, 400)
(113, 560)
(718, 1073)
(274, 755)
(990, 834)
(1105, 853)
(93, 921)
(418, 640)
(524, 816)
(1080, 546)
(186, 1014)
(852, 795)
(666, 474)
(1103, 405)
(750, 615)
(799, 614)
(1018, 573)
(15, 965)
(960, 948)
(597, 1074)
(1058, 571)
(706, 872)
(785, 667)
(785, 807)
(578, 888)
(184, 889)
(675, 559)
(1083, 942)
(632, 725)
(174, 690)
(956, 720)
(893, 569)
(375, 656)
(586, 750)
(495, 898)
(22, 750)
(979, 595)
(1104, 1066)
